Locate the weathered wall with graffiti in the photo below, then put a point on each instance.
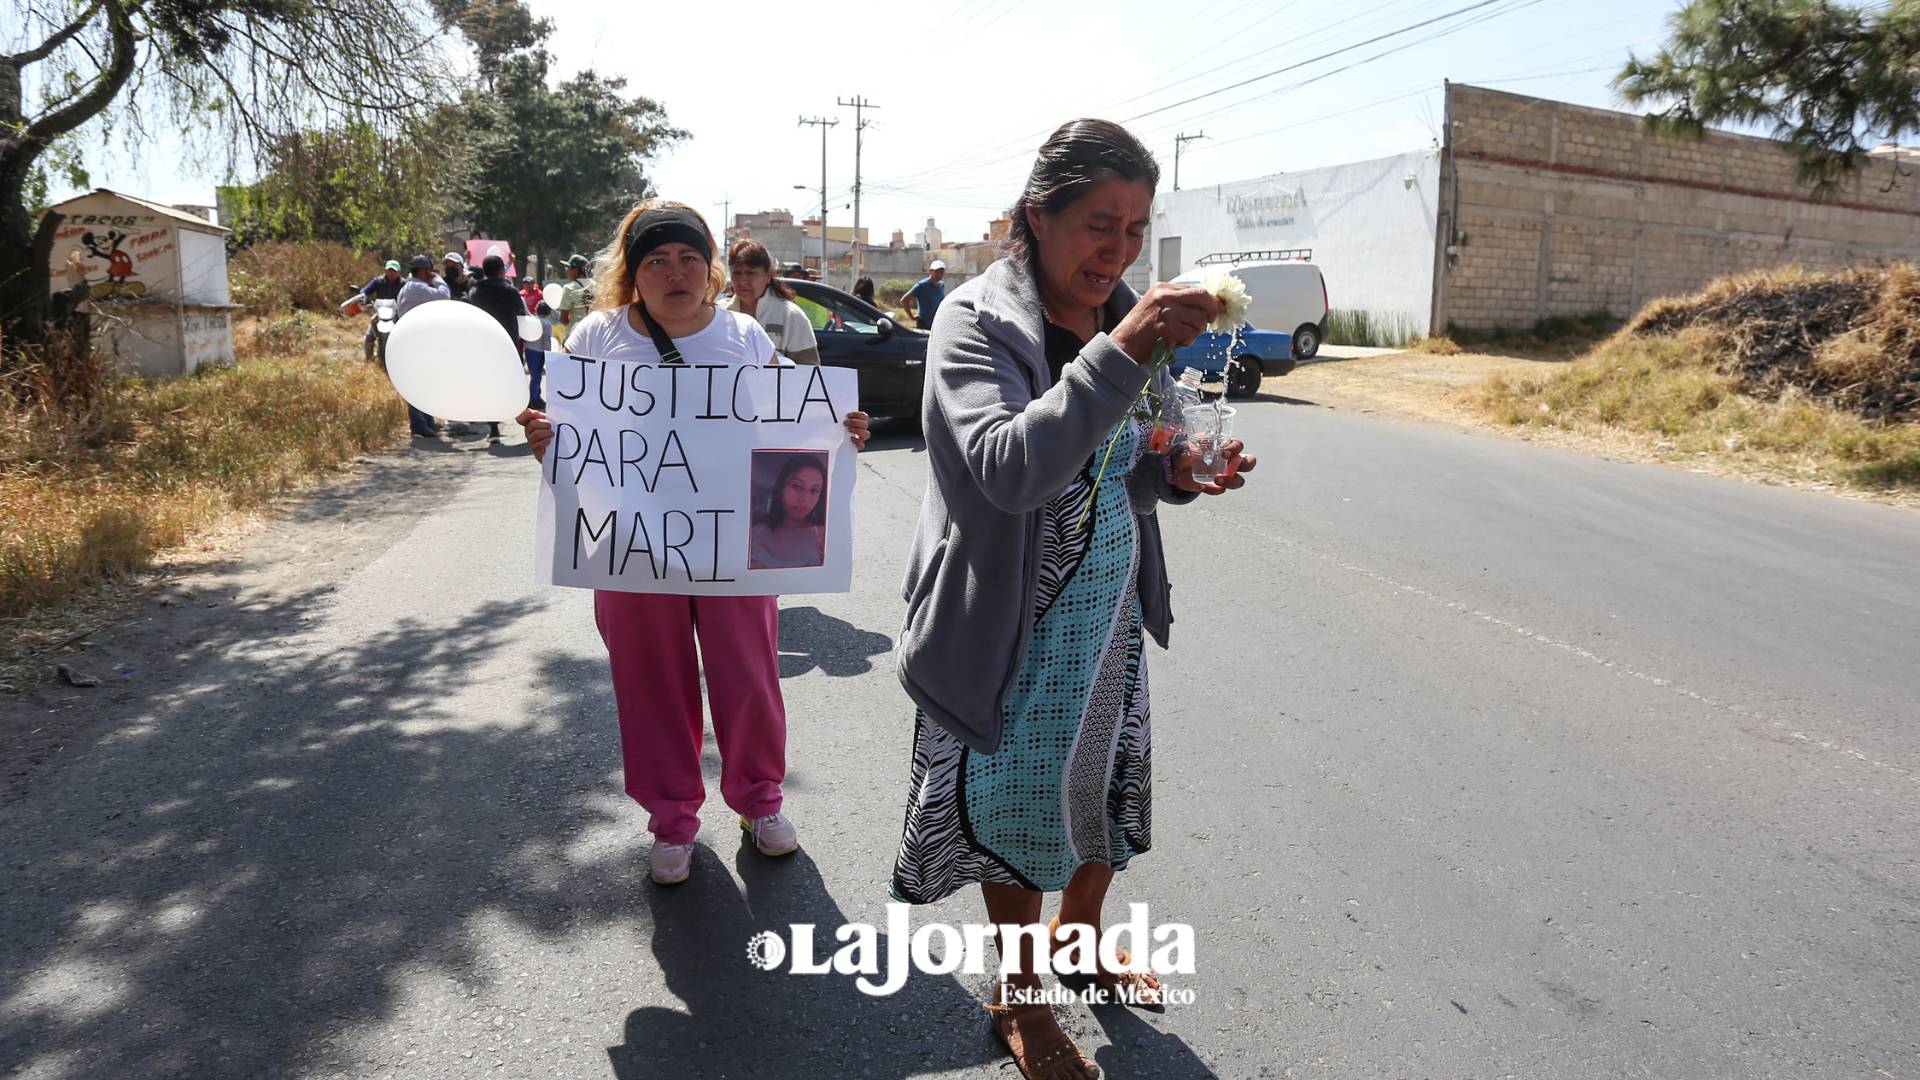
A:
(154, 281)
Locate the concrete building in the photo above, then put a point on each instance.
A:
(1369, 225)
(845, 234)
(153, 279)
(1533, 208)
(766, 219)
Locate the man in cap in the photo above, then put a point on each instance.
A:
(454, 269)
(384, 287)
(530, 292)
(576, 299)
(926, 295)
(423, 287)
(496, 296)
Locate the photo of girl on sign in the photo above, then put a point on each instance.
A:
(789, 509)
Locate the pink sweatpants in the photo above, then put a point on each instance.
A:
(656, 684)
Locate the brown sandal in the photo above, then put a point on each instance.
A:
(1144, 994)
(1042, 1065)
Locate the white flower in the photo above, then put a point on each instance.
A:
(1232, 294)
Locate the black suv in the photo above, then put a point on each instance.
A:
(890, 359)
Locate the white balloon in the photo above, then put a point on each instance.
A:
(552, 294)
(453, 361)
(530, 328)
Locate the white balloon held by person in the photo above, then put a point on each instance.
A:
(451, 360)
(553, 293)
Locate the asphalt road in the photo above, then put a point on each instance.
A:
(1473, 758)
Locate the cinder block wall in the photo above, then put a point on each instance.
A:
(1564, 209)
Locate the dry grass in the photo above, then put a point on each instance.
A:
(1674, 394)
(95, 494)
(270, 278)
(1848, 337)
(1441, 345)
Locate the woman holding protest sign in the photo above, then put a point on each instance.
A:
(1037, 568)
(655, 302)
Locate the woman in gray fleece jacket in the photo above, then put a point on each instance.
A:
(1037, 569)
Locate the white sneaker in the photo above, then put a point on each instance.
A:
(773, 834)
(670, 863)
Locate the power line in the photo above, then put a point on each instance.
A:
(1323, 56)
(972, 161)
(1026, 142)
(1310, 80)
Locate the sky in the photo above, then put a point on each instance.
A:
(967, 91)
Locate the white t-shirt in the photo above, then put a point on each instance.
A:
(784, 321)
(730, 338)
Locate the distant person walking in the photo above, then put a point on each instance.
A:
(536, 353)
(924, 298)
(424, 286)
(453, 269)
(576, 297)
(769, 301)
(496, 296)
(530, 292)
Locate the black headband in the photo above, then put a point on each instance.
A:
(666, 225)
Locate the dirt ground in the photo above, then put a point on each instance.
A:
(1424, 386)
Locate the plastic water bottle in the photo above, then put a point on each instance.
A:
(1173, 411)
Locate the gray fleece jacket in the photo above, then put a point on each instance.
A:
(1000, 445)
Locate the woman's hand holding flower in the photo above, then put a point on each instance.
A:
(1175, 314)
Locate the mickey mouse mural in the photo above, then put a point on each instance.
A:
(119, 264)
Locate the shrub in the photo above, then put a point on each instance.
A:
(1378, 329)
(91, 492)
(272, 277)
(888, 293)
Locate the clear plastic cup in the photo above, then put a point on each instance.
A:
(1207, 431)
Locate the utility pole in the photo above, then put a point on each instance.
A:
(823, 124)
(859, 125)
(726, 221)
(1178, 142)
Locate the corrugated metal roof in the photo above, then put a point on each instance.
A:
(158, 208)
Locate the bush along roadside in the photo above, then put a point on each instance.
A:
(1800, 374)
(94, 492)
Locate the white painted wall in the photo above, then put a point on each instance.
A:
(203, 267)
(1371, 225)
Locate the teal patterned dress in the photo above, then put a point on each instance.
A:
(1071, 782)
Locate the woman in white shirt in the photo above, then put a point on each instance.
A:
(658, 282)
(758, 293)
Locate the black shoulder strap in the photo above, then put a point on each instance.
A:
(669, 354)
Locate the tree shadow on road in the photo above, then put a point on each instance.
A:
(243, 865)
(810, 638)
(739, 1021)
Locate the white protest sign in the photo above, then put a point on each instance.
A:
(698, 479)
